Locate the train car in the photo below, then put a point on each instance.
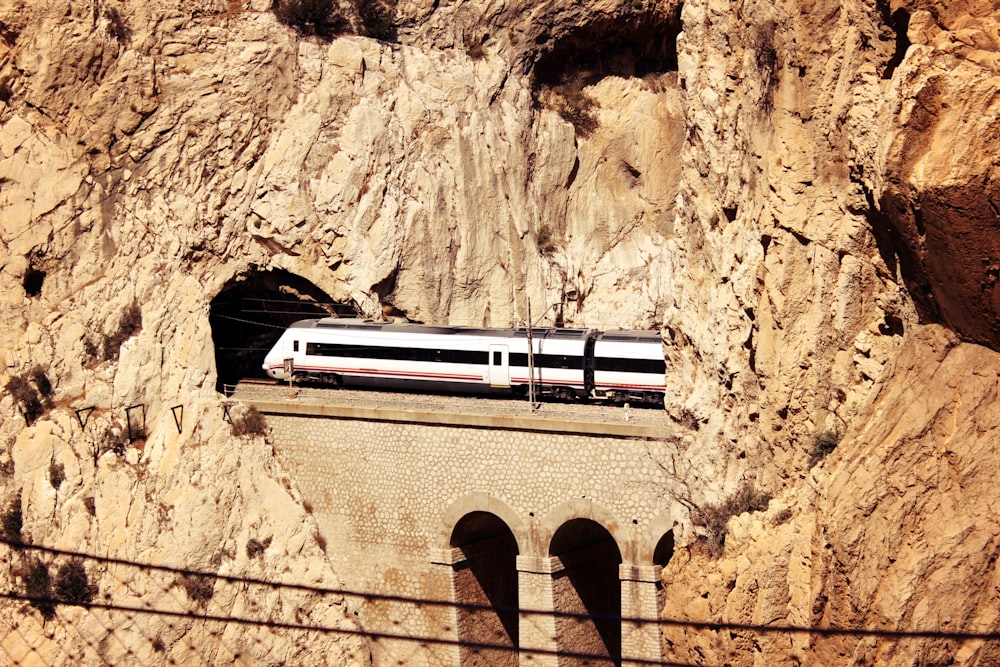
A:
(629, 366)
(345, 352)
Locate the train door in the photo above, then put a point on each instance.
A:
(499, 366)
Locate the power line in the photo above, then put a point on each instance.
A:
(420, 602)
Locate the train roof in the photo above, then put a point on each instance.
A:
(630, 336)
(391, 327)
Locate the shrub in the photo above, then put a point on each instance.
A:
(129, 325)
(57, 474)
(256, 548)
(41, 382)
(545, 240)
(117, 27)
(26, 397)
(72, 584)
(91, 351)
(576, 107)
(114, 440)
(250, 423)
(12, 521)
(378, 18)
(38, 587)
(199, 587)
(715, 518)
(823, 443)
(311, 17)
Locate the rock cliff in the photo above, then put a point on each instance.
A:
(800, 195)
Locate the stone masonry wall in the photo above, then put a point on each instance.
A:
(387, 495)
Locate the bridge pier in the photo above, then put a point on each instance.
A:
(642, 598)
(539, 635)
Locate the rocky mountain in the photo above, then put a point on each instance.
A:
(801, 195)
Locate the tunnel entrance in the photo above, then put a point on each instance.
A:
(587, 594)
(486, 591)
(249, 314)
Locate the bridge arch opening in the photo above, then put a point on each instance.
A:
(664, 550)
(250, 312)
(586, 594)
(485, 589)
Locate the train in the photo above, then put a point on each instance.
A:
(570, 364)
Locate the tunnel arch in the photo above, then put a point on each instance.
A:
(587, 593)
(486, 590)
(252, 309)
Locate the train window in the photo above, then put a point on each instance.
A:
(654, 366)
(295, 346)
(497, 358)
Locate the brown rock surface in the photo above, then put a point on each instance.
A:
(891, 542)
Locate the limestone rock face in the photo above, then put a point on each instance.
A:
(893, 533)
(789, 191)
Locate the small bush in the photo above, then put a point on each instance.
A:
(576, 107)
(715, 518)
(545, 240)
(38, 587)
(41, 382)
(91, 351)
(250, 423)
(129, 325)
(199, 587)
(12, 521)
(114, 440)
(311, 17)
(256, 548)
(117, 27)
(823, 444)
(72, 584)
(57, 474)
(27, 398)
(379, 18)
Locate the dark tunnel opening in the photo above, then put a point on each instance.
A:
(249, 314)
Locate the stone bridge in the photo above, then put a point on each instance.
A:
(488, 539)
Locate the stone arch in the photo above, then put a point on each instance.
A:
(653, 539)
(587, 593)
(586, 509)
(481, 502)
(485, 588)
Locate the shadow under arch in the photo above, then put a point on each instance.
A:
(485, 588)
(657, 544)
(587, 585)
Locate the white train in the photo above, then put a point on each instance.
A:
(568, 363)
